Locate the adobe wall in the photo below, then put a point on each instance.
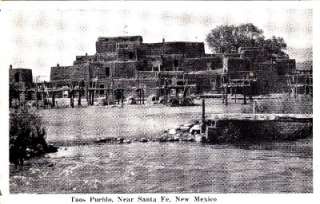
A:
(254, 54)
(187, 49)
(126, 54)
(21, 76)
(177, 62)
(110, 44)
(99, 71)
(204, 82)
(172, 62)
(132, 39)
(271, 75)
(285, 66)
(106, 56)
(150, 63)
(201, 64)
(79, 72)
(102, 46)
(269, 80)
(58, 73)
(147, 75)
(234, 66)
(129, 86)
(163, 63)
(84, 59)
(126, 69)
(75, 72)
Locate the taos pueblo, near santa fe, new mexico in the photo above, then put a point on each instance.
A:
(139, 117)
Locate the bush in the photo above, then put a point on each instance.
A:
(27, 136)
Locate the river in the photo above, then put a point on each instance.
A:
(157, 167)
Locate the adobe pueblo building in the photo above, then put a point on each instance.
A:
(127, 63)
(125, 67)
(21, 77)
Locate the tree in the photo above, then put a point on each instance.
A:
(229, 38)
(275, 45)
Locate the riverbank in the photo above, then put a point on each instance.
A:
(170, 168)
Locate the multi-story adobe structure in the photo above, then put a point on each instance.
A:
(127, 63)
(20, 83)
(21, 77)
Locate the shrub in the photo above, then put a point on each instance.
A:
(27, 136)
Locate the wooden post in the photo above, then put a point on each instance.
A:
(92, 99)
(87, 94)
(203, 110)
(244, 95)
(165, 95)
(139, 92)
(53, 100)
(203, 126)
(71, 98)
(79, 97)
(122, 97)
(165, 91)
(142, 96)
(112, 95)
(43, 98)
(295, 86)
(226, 91)
(37, 102)
(254, 104)
(107, 96)
(223, 95)
(88, 98)
(231, 90)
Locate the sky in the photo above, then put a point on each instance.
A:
(41, 35)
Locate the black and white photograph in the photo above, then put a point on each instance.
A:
(161, 97)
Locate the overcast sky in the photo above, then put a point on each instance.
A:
(39, 37)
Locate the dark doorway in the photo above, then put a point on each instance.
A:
(176, 63)
(107, 72)
(101, 91)
(131, 55)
